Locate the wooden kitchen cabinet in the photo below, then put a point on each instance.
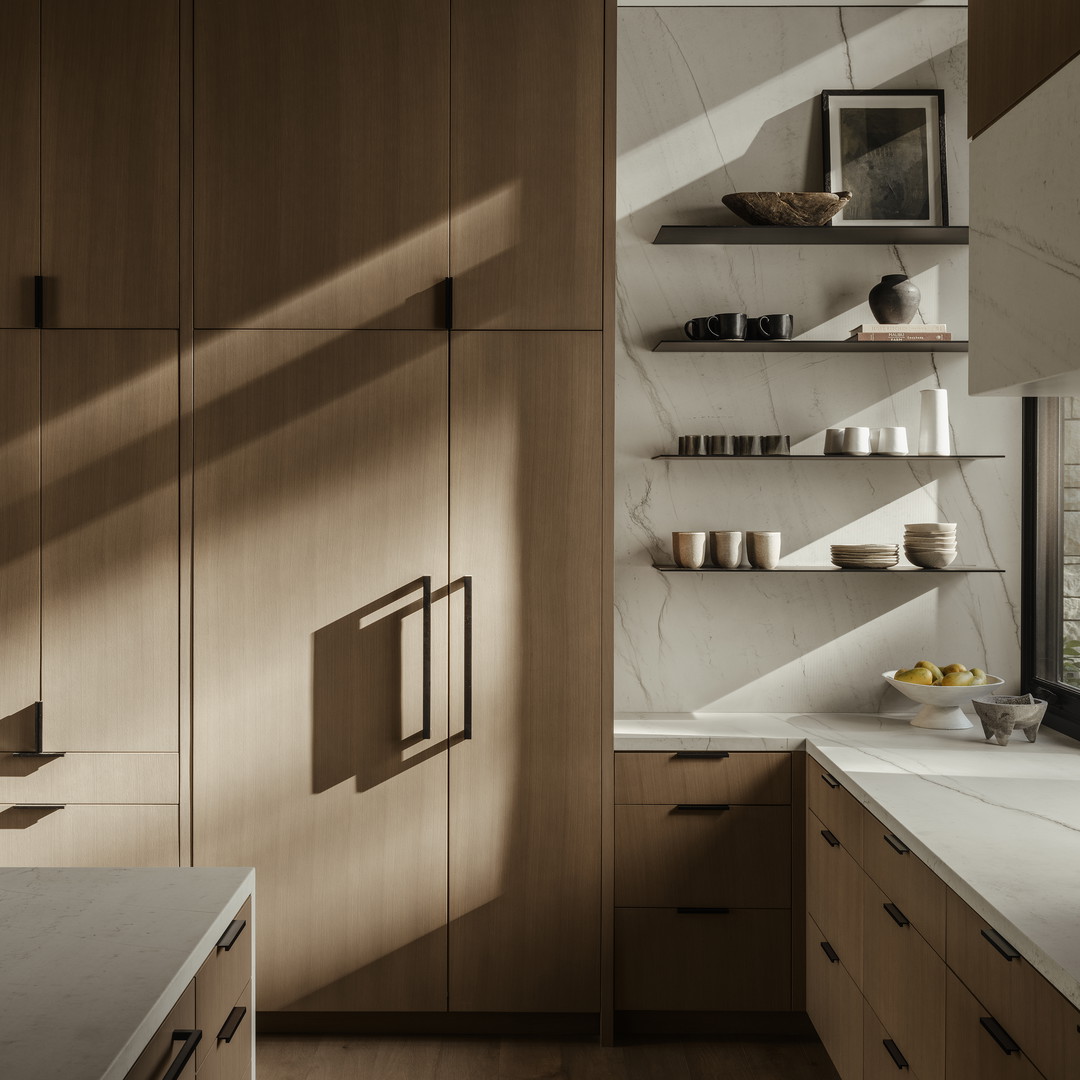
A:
(162, 1050)
(230, 1046)
(883, 1056)
(90, 778)
(222, 979)
(834, 894)
(703, 777)
(833, 1003)
(836, 809)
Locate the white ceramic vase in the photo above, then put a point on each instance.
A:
(934, 424)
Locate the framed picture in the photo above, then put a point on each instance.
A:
(887, 147)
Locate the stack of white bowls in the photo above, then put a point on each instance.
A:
(931, 545)
(865, 556)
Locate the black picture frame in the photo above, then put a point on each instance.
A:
(906, 145)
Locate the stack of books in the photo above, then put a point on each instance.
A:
(901, 332)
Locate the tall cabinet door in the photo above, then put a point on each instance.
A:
(320, 506)
(527, 167)
(527, 526)
(321, 158)
(19, 161)
(110, 157)
(110, 532)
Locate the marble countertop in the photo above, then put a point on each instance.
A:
(93, 960)
(999, 824)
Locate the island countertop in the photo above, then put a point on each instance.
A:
(93, 960)
(1000, 825)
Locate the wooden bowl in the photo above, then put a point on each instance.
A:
(804, 208)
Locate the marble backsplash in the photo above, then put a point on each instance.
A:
(713, 100)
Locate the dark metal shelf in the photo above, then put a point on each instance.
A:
(802, 345)
(666, 568)
(825, 457)
(823, 234)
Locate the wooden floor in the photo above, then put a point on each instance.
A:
(281, 1057)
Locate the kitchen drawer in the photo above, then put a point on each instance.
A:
(690, 777)
(883, 1056)
(229, 1045)
(834, 894)
(834, 1005)
(904, 982)
(89, 835)
(739, 960)
(1039, 1018)
(839, 812)
(90, 778)
(223, 975)
(973, 1051)
(161, 1051)
(705, 857)
(906, 880)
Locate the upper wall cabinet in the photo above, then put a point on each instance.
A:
(526, 237)
(321, 163)
(110, 163)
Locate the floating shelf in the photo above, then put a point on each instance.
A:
(802, 345)
(823, 234)
(825, 457)
(669, 569)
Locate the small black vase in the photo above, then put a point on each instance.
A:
(895, 299)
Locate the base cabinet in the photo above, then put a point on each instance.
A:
(979, 1047)
(833, 1003)
(883, 1056)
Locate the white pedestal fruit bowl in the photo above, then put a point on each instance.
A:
(941, 704)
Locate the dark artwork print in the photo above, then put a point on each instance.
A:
(884, 162)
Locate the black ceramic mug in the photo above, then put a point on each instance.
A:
(770, 328)
(705, 328)
(731, 326)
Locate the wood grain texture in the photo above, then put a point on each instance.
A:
(527, 164)
(904, 982)
(320, 501)
(110, 117)
(110, 532)
(837, 809)
(834, 1005)
(154, 1061)
(739, 961)
(668, 778)
(220, 981)
(1012, 48)
(20, 173)
(321, 163)
(798, 883)
(90, 778)
(102, 834)
(878, 1063)
(740, 857)
(834, 897)
(229, 1060)
(527, 522)
(20, 536)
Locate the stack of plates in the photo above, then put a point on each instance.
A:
(931, 545)
(865, 556)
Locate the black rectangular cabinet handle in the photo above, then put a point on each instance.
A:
(830, 780)
(191, 1038)
(39, 302)
(999, 943)
(426, 583)
(700, 808)
(999, 1035)
(702, 911)
(466, 651)
(897, 844)
(228, 1029)
(829, 838)
(897, 915)
(232, 932)
(830, 952)
(894, 1052)
(448, 302)
(38, 806)
(719, 755)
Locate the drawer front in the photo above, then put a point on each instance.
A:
(90, 778)
(883, 1056)
(839, 811)
(834, 1005)
(735, 857)
(738, 961)
(834, 894)
(973, 1051)
(224, 974)
(229, 1049)
(161, 1051)
(689, 777)
(89, 835)
(906, 880)
(904, 982)
(1039, 1018)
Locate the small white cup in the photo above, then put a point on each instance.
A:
(834, 440)
(857, 441)
(688, 548)
(891, 441)
(763, 549)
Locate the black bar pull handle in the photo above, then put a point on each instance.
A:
(718, 755)
(702, 911)
(700, 808)
(829, 838)
(426, 581)
(191, 1039)
(39, 302)
(466, 650)
(896, 844)
(448, 302)
(830, 780)
(897, 915)
(38, 806)
(894, 1052)
(830, 952)
(228, 1029)
(999, 1035)
(39, 736)
(232, 932)
(1004, 947)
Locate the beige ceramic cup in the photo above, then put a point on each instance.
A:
(688, 549)
(725, 549)
(763, 549)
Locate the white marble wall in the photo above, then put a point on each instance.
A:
(713, 100)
